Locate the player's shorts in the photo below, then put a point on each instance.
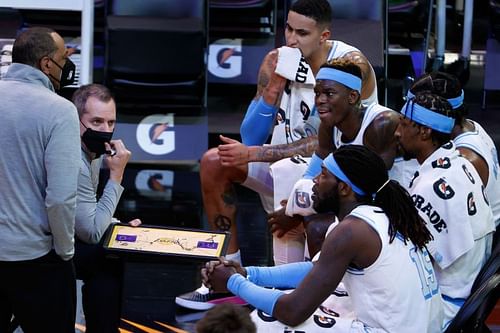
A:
(259, 180)
(324, 319)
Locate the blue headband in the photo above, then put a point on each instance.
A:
(348, 80)
(426, 117)
(334, 168)
(455, 101)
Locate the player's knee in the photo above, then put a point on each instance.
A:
(317, 227)
(210, 161)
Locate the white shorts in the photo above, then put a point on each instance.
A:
(259, 179)
(324, 319)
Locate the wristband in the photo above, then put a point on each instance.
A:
(282, 276)
(261, 298)
(314, 167)
(257, 123)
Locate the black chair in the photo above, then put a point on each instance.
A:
(242, 18)
(155, 53)
(490, 267)
(495, 18)
(484, 295)
(472, 315)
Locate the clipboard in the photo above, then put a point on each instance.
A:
(167, 241)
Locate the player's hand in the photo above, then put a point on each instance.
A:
(280, 223)
(237, 266)
(232, 152)
(207, 270)
(220, 274)
(135, 223)
(276, 83)
(118, 161)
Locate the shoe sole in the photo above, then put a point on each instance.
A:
(193, 305)
(208, 305)
(232, 299)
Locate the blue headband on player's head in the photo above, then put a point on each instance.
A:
(455, 101)
(332, 166)
(347, 79)
(426, 117)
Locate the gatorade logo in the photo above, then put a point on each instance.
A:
(155, 134)
(155, 183)
(224, 58)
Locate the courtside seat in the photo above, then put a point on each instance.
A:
(484, 296)
(472, 315)
(155, 53)
(242, 18)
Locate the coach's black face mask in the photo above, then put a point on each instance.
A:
(94, 140)
(67, 73)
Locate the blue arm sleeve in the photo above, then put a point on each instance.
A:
(260, 297)
(314, 167)
(282, 276)
(257, 123)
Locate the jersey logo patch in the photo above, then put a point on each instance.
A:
(415, 175)
(447, 145)
(304, 109)
(328, 311)
(324, 321)
(442, 163)
(288, 89)
(484, 195)
(443, 190)
(468, 174)
(340, 293)
(280, 116)
(265, 317)
(302, 199)
(471, 204)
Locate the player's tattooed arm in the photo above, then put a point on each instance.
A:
(269, 84)
(272, 153)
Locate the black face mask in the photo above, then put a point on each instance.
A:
(67, 73)
(94, 140)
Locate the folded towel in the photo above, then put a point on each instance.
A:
(285, 174)
(293, 66)
(300, 201)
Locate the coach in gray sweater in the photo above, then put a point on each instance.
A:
(39, 165)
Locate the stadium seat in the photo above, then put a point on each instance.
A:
(155, 53)
(472, 315)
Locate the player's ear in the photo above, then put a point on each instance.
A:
(343, 189)
(425, 133)
(353, 97)
(325, 35)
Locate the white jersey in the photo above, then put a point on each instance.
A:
(299, 201)
(448, 194)
(371, 112)
(481, 143)
(297, 116)
(399, 291)
(403, 171)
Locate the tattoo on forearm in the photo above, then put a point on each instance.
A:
(229, 196)
(263, 81)
(304, 147)
(222, 223)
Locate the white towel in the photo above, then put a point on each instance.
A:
(300, 201)
(285, 174)
(448, 194)
(296, 117)
(293, 66)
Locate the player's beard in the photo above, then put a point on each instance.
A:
(405, 153)
(328, 203)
